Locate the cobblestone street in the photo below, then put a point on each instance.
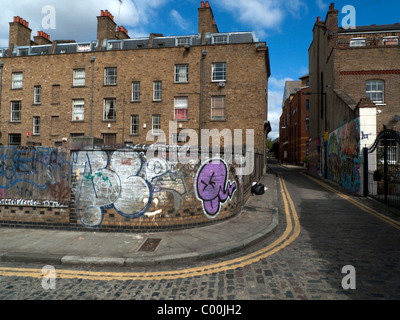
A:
(334, 233)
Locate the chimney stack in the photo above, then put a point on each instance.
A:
(106, 27)
(122, 33)
(20, 34)
(42, 38)
(206, 20)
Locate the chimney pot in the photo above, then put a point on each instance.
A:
(332, 6)
(319, 19)
(207, 4)
(202, 4)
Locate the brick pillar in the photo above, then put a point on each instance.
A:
(106, 27)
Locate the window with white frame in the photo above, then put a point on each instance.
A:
(135, 125)
(181, 108)
(358, 42)
(110, 110)
(79, 77)
(114, 45)
(16, 111)
(375, 90)
(390, 41)
(110, 76)
(157, 91)
(23, 52)
(180, 42)
(181, 73)
(37, 97)
(220, 39)
(17, 80)
(136, 91)
(84, 47)
(218, 108)
(156, 124)
(14, 139)
(36, 125)
(219, 71)
(78, 110)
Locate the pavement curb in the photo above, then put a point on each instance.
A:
(229, 247)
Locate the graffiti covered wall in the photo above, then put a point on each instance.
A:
(124, 187)
(344, 156)
(115, 188)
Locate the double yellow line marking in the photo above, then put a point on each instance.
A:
(291, 232)
(358, 204)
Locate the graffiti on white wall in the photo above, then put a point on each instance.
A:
(134, 186)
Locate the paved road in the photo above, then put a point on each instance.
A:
(319, 233)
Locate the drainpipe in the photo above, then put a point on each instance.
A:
(1, 78)
(203, 56)
(91, 98)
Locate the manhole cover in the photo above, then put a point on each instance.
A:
(150, 245)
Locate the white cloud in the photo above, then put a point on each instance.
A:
(76, 19)
(262, 15)
(179, 21)
(321, 4)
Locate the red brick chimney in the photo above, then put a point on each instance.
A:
(122, 33)
(20, 34)
(42, 38)
(206, 20)
(106, 27)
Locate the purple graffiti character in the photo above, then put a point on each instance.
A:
(213, 187)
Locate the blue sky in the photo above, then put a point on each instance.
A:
(285, 25)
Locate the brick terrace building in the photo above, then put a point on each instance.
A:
(294, 122)
(354, 76)
(126, 90)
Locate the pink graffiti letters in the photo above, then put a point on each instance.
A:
(213, 187)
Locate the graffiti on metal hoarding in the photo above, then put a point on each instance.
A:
(213, 187)
(34, 173)
(344, 156)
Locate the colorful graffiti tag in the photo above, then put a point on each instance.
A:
(213, 187)
(344, 156)
(34, 173)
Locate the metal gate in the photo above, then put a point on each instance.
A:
(382, 168)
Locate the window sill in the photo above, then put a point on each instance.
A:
(78, 121)
(218, 120)
(105, 120)
(181, 82)
(136, 101)
(82, 86)
(36, 104)
(110, 85)
(16, 88)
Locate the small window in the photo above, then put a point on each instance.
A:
(14, 139)
(79, 77)
(23, 52)
(390, 41)
(218, 108)
(156, 124)
(135, 125)
(180, 138)
(16, 111)
(36, 125)
(109, 139)
(181, 108)
(375, 90)
(308, 104)
(115, 45)
(358, 42)
(307, 124)
(84, 47)
(180, 42)
(37, 99)
(219, 71)
(157, 91)
(17, 80)
(136, 91)
(110, 76)
(221, 39)
(181, 73)
(110, 110)
(78, 110)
